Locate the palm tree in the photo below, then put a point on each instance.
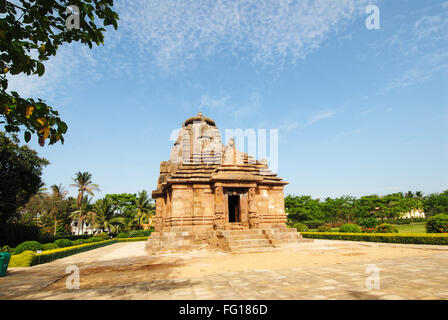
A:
(84, 184)
(56, 197)
(102, 216)
(144, 207)
(86, 206)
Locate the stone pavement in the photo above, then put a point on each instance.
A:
(404, 277)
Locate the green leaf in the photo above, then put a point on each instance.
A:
(40, 69)
(27, 136)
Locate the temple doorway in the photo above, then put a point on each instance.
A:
(234, 208)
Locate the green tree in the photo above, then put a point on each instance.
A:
(84, 184)
(339, 209)
(144, 207)
(124, 204)
(436, 203)
(102, 216)
(20, 175)
(303, 208)
(31, 32)
(57, 204)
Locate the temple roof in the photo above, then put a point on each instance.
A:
(198, 118)
(198, 156)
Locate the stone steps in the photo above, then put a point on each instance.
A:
(280, 237)
(246, 240)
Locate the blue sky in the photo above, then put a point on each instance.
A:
(358, 111)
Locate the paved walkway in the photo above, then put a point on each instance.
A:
(123, 271)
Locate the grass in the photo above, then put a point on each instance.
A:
(418, 227)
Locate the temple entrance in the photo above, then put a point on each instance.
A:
(234, 208)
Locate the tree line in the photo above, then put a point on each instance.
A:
(348, 209)
(54, 212)
(25, 199)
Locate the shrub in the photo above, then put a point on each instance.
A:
(103, 236)
(139, 233)
(12, 234)
(63, 243)
(335, 224)
(301, 227)
(51, 255)
(27, 246)
(368, 222)
(386, 228)
(24, 259)
(350, 227)
(409, 238)
(79, 241)
(122, 235)
(93, 239)
(51, 239)
(369, 230)
(313, 224)
(324, 228)
(437, 224)
(131, 239)
(29, 258)
(49, 246)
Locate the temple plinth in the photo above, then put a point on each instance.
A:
(208, 194)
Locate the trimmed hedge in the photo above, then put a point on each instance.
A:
(30, 258)
(407, 238)
(49, 246)
(63, 243)
(122, 235)
(27, 246)
(131, 239)
(51, 239)
(25, 259)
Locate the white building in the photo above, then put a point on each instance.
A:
(86, 228)
(414, 213)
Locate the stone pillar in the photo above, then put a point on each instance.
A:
(253, 214)
(244, 210)
(160, 213)
(219, 222)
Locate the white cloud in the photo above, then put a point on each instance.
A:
(422, 42)
(172, 33)
(321, 115)
(212, 103)
(73, 65)
(289, 126)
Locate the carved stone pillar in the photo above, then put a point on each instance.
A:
(219, 221)
(253, 214)
(158, 220)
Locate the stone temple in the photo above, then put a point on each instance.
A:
(211, 196)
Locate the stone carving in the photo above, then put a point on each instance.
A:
(253, 216)
(219, 220)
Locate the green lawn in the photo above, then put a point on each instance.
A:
(411, 228)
